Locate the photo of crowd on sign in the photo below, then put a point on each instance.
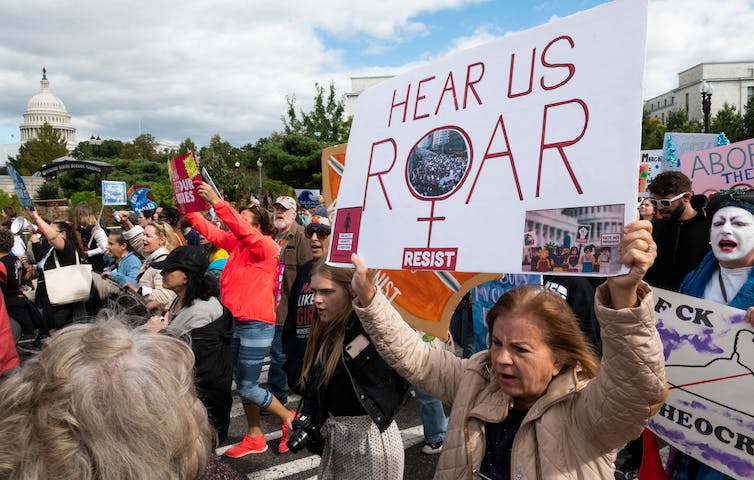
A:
(579, 240)
(438, 163)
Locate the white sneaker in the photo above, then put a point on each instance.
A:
(431, 448)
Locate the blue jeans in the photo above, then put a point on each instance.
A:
(277, 379)
(250, 344)
(433, 417)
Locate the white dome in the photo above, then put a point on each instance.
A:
(46, 101)
(46, 107)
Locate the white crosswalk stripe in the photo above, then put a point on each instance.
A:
(411, 436)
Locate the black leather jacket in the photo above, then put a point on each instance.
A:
(379, 388)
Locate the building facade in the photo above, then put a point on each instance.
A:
(46, 107)
(731, 82)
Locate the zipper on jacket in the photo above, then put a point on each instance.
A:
(472, 470)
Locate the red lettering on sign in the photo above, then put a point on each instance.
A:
(419, 97)
(450, 86)
(531, 76)
(404, 103)
(379, 174)
(429, 258)
(559, 146)
(571, 68)
(470, 84)
(499, 126)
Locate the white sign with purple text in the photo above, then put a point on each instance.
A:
(709, 363)
(450, 164)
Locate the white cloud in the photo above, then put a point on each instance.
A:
(193, 68)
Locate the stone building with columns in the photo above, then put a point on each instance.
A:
(46, 107)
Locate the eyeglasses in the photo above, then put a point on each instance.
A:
(322, 232)
(665, 202)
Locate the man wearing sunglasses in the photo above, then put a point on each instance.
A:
(681, 232)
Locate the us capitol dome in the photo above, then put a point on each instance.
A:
(46, 107)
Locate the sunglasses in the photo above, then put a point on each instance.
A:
(322, 232)
(665, 202)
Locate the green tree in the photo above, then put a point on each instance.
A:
(48, 146)
(47, 191)
(186, 146)
(652, 132)
(678, 121)
(294, 159)
(326, 121)
(83, 151)
(728, 121)
(747, 127)
(144, 146)
(294, 156)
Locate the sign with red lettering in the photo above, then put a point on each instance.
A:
(727, 167)
(709, 363)
(446, 160)
(185, 176)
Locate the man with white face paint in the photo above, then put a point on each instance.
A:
(294, 253)
(723, 276)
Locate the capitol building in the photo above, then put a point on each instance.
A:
(43, 107)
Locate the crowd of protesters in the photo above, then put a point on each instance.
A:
(433, 174)
(201, 300)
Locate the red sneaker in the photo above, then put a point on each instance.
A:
(246, 446)
(283, 445)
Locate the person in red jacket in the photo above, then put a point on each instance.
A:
(247, 288)
(8, 353)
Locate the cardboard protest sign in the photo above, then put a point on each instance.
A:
(113, 193)
(651, 165)
(307, 197)
(709, 362)
(20, 188)
(185, 177)
(141, 198)
(426, 300)
(676, 145)
(726, 167)
(531, 132)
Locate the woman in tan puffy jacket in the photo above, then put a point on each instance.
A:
(538, 404)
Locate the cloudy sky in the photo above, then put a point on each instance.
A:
(194, 68)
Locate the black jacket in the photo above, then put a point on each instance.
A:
(378, 388)
(214, 370)
(680, 248)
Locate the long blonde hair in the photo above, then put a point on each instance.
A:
(325, 343)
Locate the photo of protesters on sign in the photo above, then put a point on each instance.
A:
(709, 362)
(452, 155)
(552, 234)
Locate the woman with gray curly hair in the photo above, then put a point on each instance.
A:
(104, 401)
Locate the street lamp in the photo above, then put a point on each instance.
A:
(259, 164)
(706, 90)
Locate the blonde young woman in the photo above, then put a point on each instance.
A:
(157, 241)
(351, 394)
(93, 238)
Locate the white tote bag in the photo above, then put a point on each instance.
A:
(69, 284)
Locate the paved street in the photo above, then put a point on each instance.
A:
(303, 465)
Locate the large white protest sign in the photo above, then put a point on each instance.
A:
(452, 163)
(709, 362)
